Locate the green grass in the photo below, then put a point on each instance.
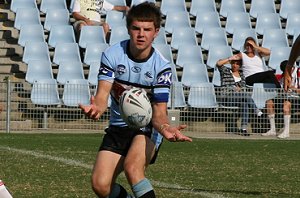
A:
(59, 165)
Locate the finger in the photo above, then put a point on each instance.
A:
(182, 126)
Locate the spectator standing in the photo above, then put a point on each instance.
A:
(132, 62)
(88, 12)
(233, 90)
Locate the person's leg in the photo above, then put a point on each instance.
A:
(271, 116)
(107, 167)
(285, 132)
(138, 158)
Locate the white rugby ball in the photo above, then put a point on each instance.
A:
(135, 108)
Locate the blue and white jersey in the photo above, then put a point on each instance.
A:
(119, 67)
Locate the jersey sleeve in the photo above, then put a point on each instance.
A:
(162, 86)
(106, 71)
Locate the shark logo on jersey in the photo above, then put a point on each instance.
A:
(106, 72)
(121, 69)
(148, 76)
(165, 78)
(136, 69)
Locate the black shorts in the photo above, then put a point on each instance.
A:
(118, 140)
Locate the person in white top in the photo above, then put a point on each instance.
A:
(256, 72)
(88, 12)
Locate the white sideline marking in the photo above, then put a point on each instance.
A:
(87, 166)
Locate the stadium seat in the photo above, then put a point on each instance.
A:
(33, 33)
(52, 4)
(36, 51)
(56, 17)
(296, 34)
(136, 2)
(91, 34)
(45, 92)
(263, 92)
(259, 6)
(216, 78)
(171, 5)
(213, 36)
(176, 19)
(76, 91)
(27, 16)
(161, 38)
(288, 7)
(207, 20)
(216, 53)
(274, 38)
(166, 51)
(118, 34)
(118, 2)
(232, 6)
(239, 36)
(194, 73)
(183, 36)
(237, 20)
(202, 6)
(176, 96)
(38, 69)
(61, 34)
(202, 95)
(267, 21)
(68, 70)
(15, 4)
(278, 54)
(66, 52)
(292, 23)
(189, 54)
(93, 52)
(115, 18)
(93, 73)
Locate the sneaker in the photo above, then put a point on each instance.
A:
(283, 135)
(258, 112)
(269, 133)
(244, 132)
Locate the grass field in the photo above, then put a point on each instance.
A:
(59, 165)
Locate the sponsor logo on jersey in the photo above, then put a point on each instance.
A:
(105, 71)
(121, 69)
(148, 76)
(136, 69)
(165, 78)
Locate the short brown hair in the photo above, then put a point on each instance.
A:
(146, 11)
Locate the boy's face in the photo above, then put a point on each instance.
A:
(235, 65)
(142, 34)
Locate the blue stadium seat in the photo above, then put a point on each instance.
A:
(36, 51)
(194, 73)
(183, 36)
(232, 6)
(38, 69)
(93, 52)
(56, 17)
(93, 73)
(76, 91)
(91, 34)
(216, 53)
(15, 4)
(263, 92)
(237, 20)
(202, 6)
(239, 36)
(289, 7)
(278, 54)
(207, 20)
(33, 33)
(118, 2)
(171, 5)
(213, 36)
(189, 54)
(118, 34)
(202, 95)
(68, 70)
(216, 78)
(136, 2)
(176, 19)
(176, 96)
(274, 38)
(52, 4)
(27, 16)
(61, 34)
(161, 38)
(115, 18)
(165, 50)
(66, 52)
(259, 6)
(292, 23)
(45, 92)
(267, 21)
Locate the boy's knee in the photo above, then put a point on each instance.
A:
(100, 187)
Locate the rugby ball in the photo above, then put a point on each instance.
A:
(135, 108)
